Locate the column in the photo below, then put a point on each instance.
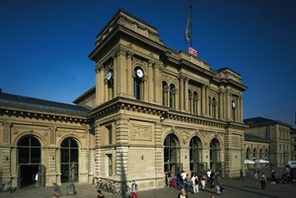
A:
(241, 109)
(157, 85)
(100, 74)
(181, 92)
(220, 104)
(145, 90)
(129, 77)
(203, 100)
(115, 75)
(150, 82)
(186, 94)
(207, 110)
(121, 71)
(106, 91)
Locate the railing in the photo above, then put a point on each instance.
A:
(7, 187)
(111, 186)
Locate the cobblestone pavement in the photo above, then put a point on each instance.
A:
(233, 189)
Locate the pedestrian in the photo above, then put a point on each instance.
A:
(134, 189)
(241, 175)
(217, 182)
(203, 182)
(56, 191)
(273, 176)
(194, 181)
(183, 176)
(182, 194)
(263, 181)
(100, 194)
(36, 179)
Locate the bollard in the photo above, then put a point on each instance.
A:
(71, 189)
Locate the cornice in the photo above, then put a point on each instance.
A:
(41, 115)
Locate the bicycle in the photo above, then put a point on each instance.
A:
(7, 187)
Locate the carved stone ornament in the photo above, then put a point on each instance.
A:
(15, 131)
(140, 132)
(184, 136)
(45, 133)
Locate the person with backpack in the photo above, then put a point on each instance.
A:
(134, 190)
(194, 181)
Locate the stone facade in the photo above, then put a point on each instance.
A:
(152, 110)
(278, 133)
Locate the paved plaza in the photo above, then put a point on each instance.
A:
(233, 188)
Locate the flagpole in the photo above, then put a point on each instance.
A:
(191, 26)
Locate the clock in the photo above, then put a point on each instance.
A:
(139, 73)
(233, 104)
(109, 75)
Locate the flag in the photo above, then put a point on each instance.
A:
(192, 51)
(188, 27)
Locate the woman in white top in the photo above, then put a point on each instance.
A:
(194, 181)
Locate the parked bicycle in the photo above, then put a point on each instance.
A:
(7, 187)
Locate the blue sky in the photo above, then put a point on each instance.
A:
(44, 45)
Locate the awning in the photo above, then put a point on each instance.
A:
(249, 161)
(261, 161)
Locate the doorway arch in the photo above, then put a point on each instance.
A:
(29, 160)
(195, 155)
(215, 155)
(171, 155)
(69, 160)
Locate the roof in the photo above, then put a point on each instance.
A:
(86, 94)
(255, 138)
(28, 103)
(261, 121)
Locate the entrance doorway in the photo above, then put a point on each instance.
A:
(69, 160)
(29, 159)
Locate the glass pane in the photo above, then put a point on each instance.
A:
(34, 142)
(65, 177)
(24, 155)
(73, 143)
(65, 143)
(74, 155)
(35, 155)
(24, 142)
(65, 155)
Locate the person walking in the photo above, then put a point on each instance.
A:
(217, 183)
(100, 194)
(134, 189)
(203, 182)
(182, 194)
(194, 181)
(56, 191)
(263, 181)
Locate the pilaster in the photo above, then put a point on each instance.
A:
(186, 94)
(150, 82)
(181, 92)
(157, 86)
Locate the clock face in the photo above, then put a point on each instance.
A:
(233, 104)
(140, 73)
(109, 75)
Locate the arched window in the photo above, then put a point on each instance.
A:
(195, 155)
(248, 154)
(254, 154)
(214, 154)
(172, 96)
(69, 160)
(110, 84)
(214, 104)
(29, 160)
(164, 93)
(171, 154)
(210, 105)
(260, 154)
(138, 83)
(190, 100)
(195, 105)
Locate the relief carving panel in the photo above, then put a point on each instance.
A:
(141, 132)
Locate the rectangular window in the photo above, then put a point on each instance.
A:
(109, 134)
(110, 165)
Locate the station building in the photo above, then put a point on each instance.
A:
(152, 110)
